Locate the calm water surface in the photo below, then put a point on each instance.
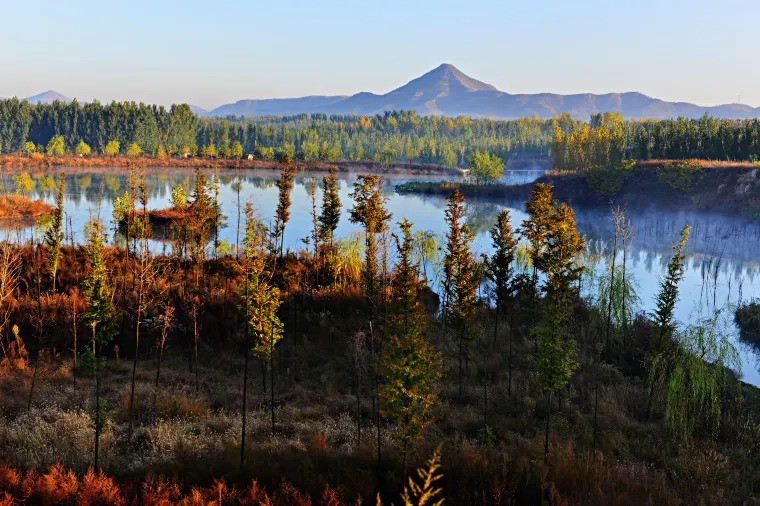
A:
(723, 253)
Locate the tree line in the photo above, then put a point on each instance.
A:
(607, 140)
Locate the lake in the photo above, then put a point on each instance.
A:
(723, 258)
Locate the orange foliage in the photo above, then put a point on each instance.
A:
(19, 206)
(99, 489)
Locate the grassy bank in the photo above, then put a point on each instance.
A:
(40, 161)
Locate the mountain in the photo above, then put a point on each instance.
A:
(447, 91)
(47, 98)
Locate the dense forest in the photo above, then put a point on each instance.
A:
(156, 131)
(331, 373)
(402, 136)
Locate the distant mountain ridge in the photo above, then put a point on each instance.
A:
(447, 91)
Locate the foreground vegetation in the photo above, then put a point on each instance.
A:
(335, 371)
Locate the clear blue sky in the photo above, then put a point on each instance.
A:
(208, 54)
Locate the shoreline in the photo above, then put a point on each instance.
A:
(75, 163)
(730, 188)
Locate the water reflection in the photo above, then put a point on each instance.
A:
(722, 266)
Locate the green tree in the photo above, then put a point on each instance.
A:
(112, 148)
(461, 279)
(29, 148)
(56, 146)
(331, 205)
(408, 365)
(261, 300)
(83, 149)
(499, 267)
(556, 348)
(54, 233)
(369, 210)
(282, 213)
(237, 150)
(664, 352)
(134, 150)
(486, 168)
(99, 317)
(535, 228)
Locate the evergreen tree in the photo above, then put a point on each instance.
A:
(330, 215)
(282, 213)
(409, 366)
(499, 268)
(535, 228)
(54, 234)
(663, 354)
(369, 210)
(556, 348)
(461, 279)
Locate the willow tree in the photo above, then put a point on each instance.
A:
(260, 302)
(54, 234)
(461, 279)
(409, 365)
(99, 316)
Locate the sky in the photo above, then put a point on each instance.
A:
(208, 54)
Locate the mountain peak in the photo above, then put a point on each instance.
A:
(447, 78)
(48, 97)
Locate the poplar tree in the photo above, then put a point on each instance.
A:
(461, 279)
(99, 316)
(409, 365)
(54, 234)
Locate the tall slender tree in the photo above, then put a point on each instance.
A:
(100, 317)
(282, 213)
(261, 300)
(331, 205)
(54, 234)
(499, 267)
(663, 352)
(409, 365)
(556, 348)
(461, 280)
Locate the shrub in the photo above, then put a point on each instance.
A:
(112, 148)
(83, 149)
(682, 176)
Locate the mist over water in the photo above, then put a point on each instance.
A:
(722, 265)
